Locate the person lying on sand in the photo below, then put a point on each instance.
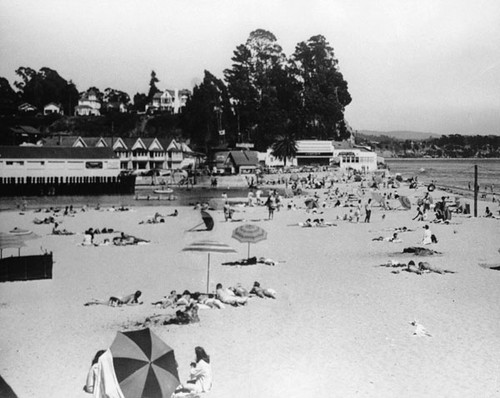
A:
(239, 290)
(167, 301)
(262, 292)
(125, 239)
(411, 267)
(131, 299)
(426, 267)
(228, 297)
(394, 238)
(394, 264)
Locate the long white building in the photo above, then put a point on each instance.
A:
(31, 170)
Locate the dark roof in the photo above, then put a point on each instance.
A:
(24, 130)
(60, 141)
(44, 152)
(244, 158)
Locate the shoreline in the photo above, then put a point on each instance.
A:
(337, 312)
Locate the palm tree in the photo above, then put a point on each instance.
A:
(285, 146)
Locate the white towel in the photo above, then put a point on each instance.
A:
(106, 385)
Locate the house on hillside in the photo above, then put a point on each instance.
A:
(171, 101)
(88, 104)
(53, 109)
(27, 108)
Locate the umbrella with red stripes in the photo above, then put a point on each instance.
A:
(145, 365)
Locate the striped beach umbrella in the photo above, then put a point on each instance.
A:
(209, 246)
(405, 202)
(145, 365)
(15, 240)
(249, 233)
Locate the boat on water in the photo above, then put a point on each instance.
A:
(166, 191)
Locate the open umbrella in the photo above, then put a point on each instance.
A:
(14, 240)
(145, 365)
(209, 246)
(249, 233)
(207, 220)
(405, 202)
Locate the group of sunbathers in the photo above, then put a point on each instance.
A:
(159, 218)
(317, 222)
(235, 296)
(422, 267)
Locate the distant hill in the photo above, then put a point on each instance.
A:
(401, 135)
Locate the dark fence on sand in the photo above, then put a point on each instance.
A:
(26, 268)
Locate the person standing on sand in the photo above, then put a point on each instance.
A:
(368, 210)
(93, 373)
(271, 205)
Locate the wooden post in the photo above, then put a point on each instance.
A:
(208, 273)
(476, 190)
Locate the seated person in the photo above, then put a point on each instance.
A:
(131, 299)
(228, 297)
(174, 214)
(488, 213)
(185, 316)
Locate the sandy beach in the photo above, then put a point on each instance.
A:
(340, 326)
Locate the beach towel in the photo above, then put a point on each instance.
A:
(106, 385)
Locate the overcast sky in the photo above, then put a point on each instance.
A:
(423, 65)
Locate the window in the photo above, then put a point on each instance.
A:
(93, 165)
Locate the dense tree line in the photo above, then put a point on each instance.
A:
(264, 98)
(451, 146)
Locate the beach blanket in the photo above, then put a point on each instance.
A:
(106, 385)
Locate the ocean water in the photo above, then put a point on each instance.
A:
(450, 173)
(455, 174)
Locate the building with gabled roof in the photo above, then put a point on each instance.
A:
(53, 109)
(34, 170)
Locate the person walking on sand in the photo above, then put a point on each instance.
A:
(368, 210)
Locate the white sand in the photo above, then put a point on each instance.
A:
(339, 328)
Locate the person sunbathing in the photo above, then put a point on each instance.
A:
(167, 301)
(411, 267)
(125, 239)
(228, 297)
(131, 299)
(239, 290)
(425, 266)
(262, 292)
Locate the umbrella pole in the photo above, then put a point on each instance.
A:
(208, 273)
(248, 250)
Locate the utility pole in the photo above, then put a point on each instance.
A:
(476, 190)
